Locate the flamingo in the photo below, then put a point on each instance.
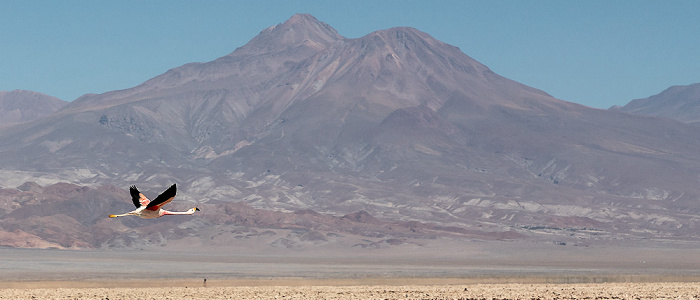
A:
(147, 209)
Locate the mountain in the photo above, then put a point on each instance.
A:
(681, 103)
(395, 124)
(21, 106)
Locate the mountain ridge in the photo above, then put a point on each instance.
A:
(20, 106)
(681, 103)
(301, 30)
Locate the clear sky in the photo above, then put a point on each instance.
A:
(597, 53)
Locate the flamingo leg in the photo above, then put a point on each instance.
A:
(188, 212)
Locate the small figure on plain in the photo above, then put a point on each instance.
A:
(205, 283)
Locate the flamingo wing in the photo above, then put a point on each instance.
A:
(138, 198)
(163, 199)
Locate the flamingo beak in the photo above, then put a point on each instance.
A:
(196, 209)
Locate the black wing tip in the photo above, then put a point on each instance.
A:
(135, 196)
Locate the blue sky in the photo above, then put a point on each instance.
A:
(594, 52)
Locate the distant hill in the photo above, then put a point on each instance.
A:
(395, 124)
(680, 103)
(21, 106)
(67, 216)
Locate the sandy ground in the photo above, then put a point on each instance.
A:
(475, 291)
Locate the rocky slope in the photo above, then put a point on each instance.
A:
(21, 106)
(681, 103)
(67, 216)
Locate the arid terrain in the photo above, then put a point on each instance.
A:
(676, 290)
(441, 259)
(456, 270)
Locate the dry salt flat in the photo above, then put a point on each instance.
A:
(661, 290)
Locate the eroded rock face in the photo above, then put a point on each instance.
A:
(67, 216)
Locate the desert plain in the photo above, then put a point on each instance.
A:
(477, 270)
(369, 291)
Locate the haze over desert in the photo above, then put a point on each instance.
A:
(479, 270)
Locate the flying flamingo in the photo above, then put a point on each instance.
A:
(147, 209)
